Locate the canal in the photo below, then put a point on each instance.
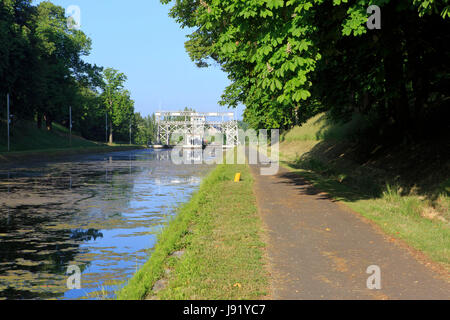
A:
(100, 213)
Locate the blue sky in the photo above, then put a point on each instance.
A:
(139, 38)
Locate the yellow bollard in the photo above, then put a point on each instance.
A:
(237, 177)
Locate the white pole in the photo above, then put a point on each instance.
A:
(130, 131)
(8, 117)
(70, 125)
(159, 132)
(106, 126)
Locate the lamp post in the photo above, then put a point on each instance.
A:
(106, 127)
(70, 125)
(8, 117)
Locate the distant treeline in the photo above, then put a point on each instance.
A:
(290, 59)
(42, 69)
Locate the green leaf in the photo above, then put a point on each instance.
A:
(304, 94)
(274, 3)
(278, 84)
(266, 13)
(281, 98)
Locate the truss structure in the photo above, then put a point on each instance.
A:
(194, 126)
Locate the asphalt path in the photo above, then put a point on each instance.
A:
(319, 249)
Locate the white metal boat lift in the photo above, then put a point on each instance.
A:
(194, 127)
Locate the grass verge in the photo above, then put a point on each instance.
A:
(219, 231)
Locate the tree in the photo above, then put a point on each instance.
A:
(113, 96)
(16, 55)
(123, 115)
(146, 129)
(42, 68)
(59, 52)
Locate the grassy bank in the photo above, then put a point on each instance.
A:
(29, 143)
(404, 189)
(219, 232)
(26, 136)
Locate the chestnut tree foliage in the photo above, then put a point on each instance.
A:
(289, 59)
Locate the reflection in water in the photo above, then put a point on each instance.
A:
(99, 212)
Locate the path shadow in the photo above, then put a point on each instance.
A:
(352, 172)
(309, 184)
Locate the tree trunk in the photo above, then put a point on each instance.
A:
(110, 123)
(110, 132)
(48, 122)
(419, 76)
(393, 70)
(39, 120)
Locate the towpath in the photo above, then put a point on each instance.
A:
(318, 249)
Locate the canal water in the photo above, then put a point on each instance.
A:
(100, 213)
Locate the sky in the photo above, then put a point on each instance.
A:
(139, 39)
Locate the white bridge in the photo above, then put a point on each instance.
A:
(194, 127)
